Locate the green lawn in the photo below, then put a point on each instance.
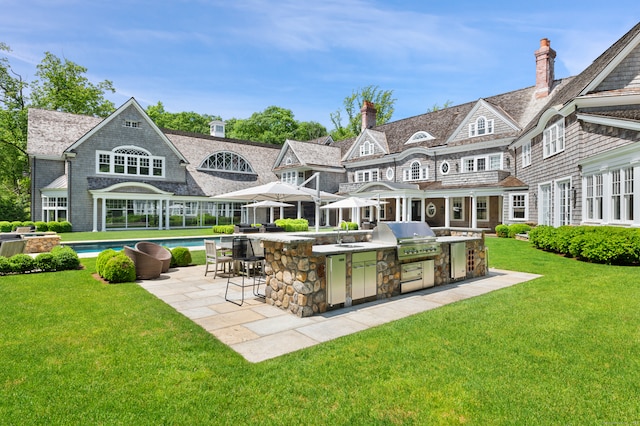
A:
(562, 349)
(138, 234)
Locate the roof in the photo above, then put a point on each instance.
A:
(313, 154)
(50, 133)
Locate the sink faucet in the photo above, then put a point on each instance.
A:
(346, 227)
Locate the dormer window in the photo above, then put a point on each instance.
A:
(482, 126)
(216, 128)
(132, 124)
(366, 149)
(420, 136)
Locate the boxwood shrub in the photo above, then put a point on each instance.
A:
(119, 269)
(21, 263)
(502, 230)
(518, 228)
(223, 229)
(47, 262)
(597, 244)
(180, 256)
(5, 226)
(67, 258)
(103, 258)
(293, 225)
(5, 267)
(41, 226)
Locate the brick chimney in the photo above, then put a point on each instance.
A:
(545, 57)
(368, 111)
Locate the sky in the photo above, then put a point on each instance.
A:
(232, 58)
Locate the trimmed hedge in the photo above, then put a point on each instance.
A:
(60, 259)
(223, 229)
(103, 258)
(47, 262)
(510, 231)
(598, 244)
(293, 225)
(59, 227)
(119, 269)
(351, 226)
(22, 263)
(502, 231)
(180, 256)
(67, 258)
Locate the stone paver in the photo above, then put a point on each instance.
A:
(258, 331)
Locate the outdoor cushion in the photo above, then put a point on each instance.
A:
(157, 251)
(147, 266)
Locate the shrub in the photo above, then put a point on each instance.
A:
(293, 225)
(102, 260)
(15, 224)
(21, 263)
(223, 229)
(119, 269)
(41, 226)
(5, 267)
(46, 262)
(5, 226)
(65, 226)
(67, 258)
(543, 237)
(518, 228)
(180, 256)
(55, 227)
(350, 226)
(28, 223)
(502, 231)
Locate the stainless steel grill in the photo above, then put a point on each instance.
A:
(414, 239)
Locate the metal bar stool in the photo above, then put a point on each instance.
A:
(251, 269)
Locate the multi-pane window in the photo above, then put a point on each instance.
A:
(518, 206)
(293, 177)
(553, 138)
(628, 194)
(54, 209)
(366, 148)
(480, 127)
(594, 197)
(526, 154)
(616, 196)
(131, 161)
(482, 208)
(131, 124)
(228, 162)
(416, 172)
(457, 205)
(367, 175)
(482, 163)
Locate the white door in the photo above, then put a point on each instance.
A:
(545, 205)
(564, 203)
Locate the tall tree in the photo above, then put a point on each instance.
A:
(186, 121)
(383, 101)
(62, 86)
(273, 125)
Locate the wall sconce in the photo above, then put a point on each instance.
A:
(534, 196)
(508, 162)
(574, 194)
(457, 168)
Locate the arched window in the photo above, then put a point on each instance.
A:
(129, 160)
(228, 162)
(481, 126)
(420, 136)
(366, 148)
(416, 171)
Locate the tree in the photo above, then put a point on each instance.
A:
(186, 121)
(383, 101)
(63, 87)
(437, 107)
(273, 125)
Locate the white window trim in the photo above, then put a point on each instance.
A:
(487, 200)
(552, 146)
(526, 154)
(462, 209)
(419, 136)
(111, 157)
(390, 173)
(408, 172)
(489, 125)
(487, 162)
(292, 177)
(205, 165)
(367, 148)
(442, 165)
(370, 173)
(526, 206)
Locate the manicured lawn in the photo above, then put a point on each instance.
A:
(562, 349)
(141, 234)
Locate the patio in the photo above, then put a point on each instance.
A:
(259, 331)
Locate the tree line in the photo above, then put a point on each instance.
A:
(62, 85)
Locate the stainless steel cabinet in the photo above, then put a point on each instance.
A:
(458, 260)
(363, 275)
(336, 278)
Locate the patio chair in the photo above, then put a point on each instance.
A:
(147, 266)
(11, 247)
(157, 251)
(251, 266)
(212, 257)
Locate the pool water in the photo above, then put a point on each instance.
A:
(98, 246)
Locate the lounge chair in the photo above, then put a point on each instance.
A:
(157, 251)
(147, 266)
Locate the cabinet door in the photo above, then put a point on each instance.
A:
(357, 280)
(428, 273)
(370, 278)
(458, 260)
(336, 279)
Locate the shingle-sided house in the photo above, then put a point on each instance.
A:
(124, 172)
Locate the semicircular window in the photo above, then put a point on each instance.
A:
(228, 162)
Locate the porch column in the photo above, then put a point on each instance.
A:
(398, 212)
(299, 209)
(474, 212)
(281, 214)
(636, 196)
(166, 214)
(422, 207)
(447, 215)
(95, 215)
(271, 214)
(408, 209)
(103, 216)
(339, 217)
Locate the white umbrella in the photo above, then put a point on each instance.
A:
(354, 203)
(266, 203)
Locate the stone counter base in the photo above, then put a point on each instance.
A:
(41, 244)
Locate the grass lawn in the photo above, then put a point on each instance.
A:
(562, 349)
(130, 235)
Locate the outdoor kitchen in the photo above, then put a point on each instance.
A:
(312, 273)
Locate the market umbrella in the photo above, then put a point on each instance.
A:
(354, 203)
(268, 204)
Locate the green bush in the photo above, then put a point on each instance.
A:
(180, 256)
(102, 260)
(55, 227)
(15, 224)
(543, 237)
(67, 258)
(46, 262)
(518, 228)
(119, 269)
(5, 226)
(293, 225)
(65, 226)
(5, 267)
(41, 226)
(502, 231)
(223, 229)
(28, 223)
(21, 263)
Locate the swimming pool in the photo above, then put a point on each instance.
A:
(96, 247)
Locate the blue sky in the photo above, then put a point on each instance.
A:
(233, 58)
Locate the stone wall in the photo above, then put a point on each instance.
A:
(41, 243)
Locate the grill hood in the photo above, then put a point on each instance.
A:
(399, 232)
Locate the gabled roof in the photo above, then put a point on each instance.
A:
(496, 110)
(51, 132)
(310, 154)
(588, 80)
(376, 137)
(130, 103)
